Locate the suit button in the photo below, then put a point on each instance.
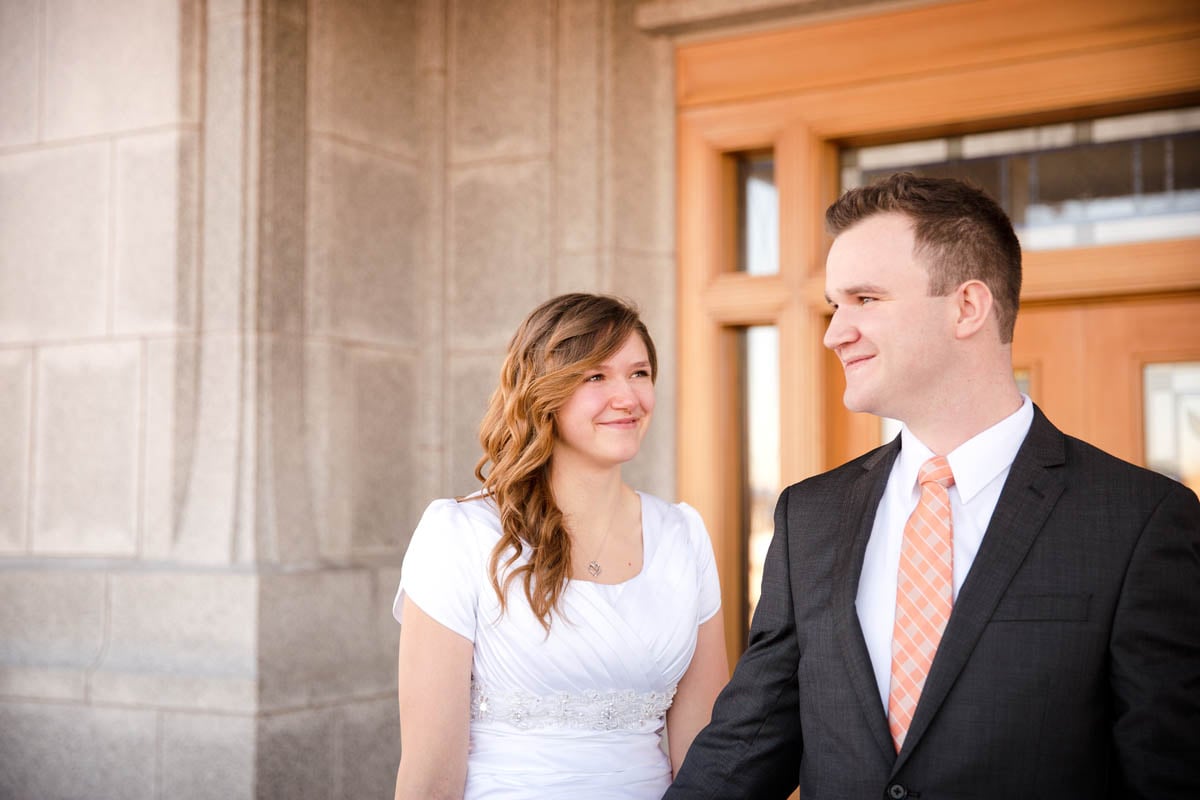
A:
(897, 791)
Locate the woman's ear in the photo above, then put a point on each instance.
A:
(974, 308)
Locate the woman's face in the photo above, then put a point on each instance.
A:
(604, 421)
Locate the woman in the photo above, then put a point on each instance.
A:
(553, 621)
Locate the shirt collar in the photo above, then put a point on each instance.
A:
(977, 461)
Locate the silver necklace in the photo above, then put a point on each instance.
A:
(593, 566)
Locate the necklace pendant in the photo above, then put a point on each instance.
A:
(593, 568)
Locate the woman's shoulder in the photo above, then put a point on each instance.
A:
(473, 517)
(667, 515)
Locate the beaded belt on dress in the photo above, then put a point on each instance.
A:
(589, 710)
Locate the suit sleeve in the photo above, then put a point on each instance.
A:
(752, 747)
(1155, 656)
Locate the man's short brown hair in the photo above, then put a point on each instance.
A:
(962, 233)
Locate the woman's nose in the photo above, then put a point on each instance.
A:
(622, 396)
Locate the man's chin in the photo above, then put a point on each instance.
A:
(855, 402)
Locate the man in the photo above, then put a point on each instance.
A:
(1033, 631)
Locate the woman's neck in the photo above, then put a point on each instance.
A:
(590, 499)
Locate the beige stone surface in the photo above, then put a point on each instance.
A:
(277, 247)
(208, 756)
(297, 755)
(500, 79)
(578, 272)
(431, 43)
(16, 383)
(54, 243)
(195, 441)
(286, 531)
(225, 174)
(363, 73)
(116, 66)
(52, 627)
(156, 232)
(319, 641)
(379, 478)
(370, 748)
(367, 228)
(56, 752)
(19, 36)
(367, 479)
(498, 251)
(183, 640)
(642, 135)
(170, 442)
(579, 147)
(86, 443)
(219, 9)
(472, 379)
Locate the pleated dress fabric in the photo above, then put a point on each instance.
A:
(577, 713)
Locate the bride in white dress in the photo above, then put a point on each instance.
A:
(555, 622)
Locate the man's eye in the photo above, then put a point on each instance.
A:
(864, 300)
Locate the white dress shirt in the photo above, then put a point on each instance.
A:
(980, 466)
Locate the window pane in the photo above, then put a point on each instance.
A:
(1172, 409)
(757, 213)
(1095, 182)
(760, 403)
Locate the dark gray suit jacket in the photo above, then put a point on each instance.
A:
(1070, 667)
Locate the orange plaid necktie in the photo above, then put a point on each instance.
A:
(924, 594)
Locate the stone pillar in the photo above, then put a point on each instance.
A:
(183, 612)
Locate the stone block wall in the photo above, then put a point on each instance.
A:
(259, 261)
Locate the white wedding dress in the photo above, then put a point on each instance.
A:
(576, 714)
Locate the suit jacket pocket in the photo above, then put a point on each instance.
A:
(1042, 607)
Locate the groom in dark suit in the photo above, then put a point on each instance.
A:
(982, 608)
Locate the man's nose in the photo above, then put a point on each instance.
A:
(839, 331)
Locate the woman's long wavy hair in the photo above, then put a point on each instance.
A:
(547, 360)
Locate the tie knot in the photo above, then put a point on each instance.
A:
(936, 470)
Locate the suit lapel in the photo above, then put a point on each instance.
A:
(1025, 503)
(856, 521)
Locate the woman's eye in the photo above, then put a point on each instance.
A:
(641, 373)
(594, 378)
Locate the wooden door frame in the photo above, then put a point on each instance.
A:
(930, 71)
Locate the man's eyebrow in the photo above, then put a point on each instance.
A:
(862, 288)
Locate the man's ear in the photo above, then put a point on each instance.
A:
(974, 308)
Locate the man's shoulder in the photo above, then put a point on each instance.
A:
(1091, 472)
(1087, 462)
(839, 478)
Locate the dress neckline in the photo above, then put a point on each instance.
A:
(645, 551)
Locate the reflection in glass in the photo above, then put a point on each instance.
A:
(1172, 410)
(760, 400)
(1095, 182)
(757, 213)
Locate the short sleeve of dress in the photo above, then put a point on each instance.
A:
(443, 568)
(706, 564)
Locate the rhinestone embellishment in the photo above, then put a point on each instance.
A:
(590, 710)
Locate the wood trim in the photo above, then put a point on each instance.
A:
(948, 39)
(985, 97)
(1166, 266)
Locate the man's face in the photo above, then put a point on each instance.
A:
(892, 338)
